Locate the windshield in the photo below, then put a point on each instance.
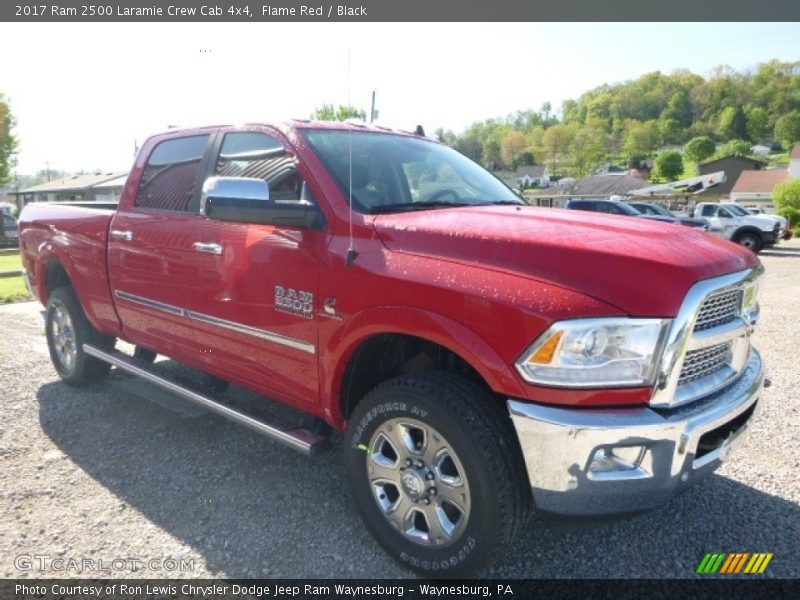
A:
(392, 173)
(653, 209)
(737, 210)
(626, 209)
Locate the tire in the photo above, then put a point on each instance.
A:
(144, 355)
(461, 443)
(67, 329)
(751, 241)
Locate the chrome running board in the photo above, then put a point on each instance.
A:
(304, 441)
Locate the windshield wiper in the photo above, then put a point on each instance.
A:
(413, 206)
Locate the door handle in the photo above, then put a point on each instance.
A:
(208, 248)
(122, 235)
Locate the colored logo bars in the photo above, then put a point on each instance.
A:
(734, 562)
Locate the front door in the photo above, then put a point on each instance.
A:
(259, 293)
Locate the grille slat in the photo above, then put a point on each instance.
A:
(704, 362)
(719, 309)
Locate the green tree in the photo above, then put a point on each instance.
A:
(679, 109)
(757, 122)
(8, 141)
(787, 194)
(787, 129)
(735, 148)
(555, 144)
(732, 124)
(587, 149)
(669, 165)
(512, 147)
(699, 148)
(327, 112)
(446, 136)
(641, 139)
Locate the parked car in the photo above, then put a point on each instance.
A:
(10, 234)
(732, 222)
(482, 357)
(616, 207)
(652, 208)
(781, 220)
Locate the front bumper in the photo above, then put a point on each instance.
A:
(609, 461)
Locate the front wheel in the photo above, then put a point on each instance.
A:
(437, 473)
(750, 241)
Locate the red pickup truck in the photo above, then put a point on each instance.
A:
(482, 356)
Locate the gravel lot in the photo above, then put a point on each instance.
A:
(122, 471)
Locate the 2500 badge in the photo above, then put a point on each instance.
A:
(294, 302)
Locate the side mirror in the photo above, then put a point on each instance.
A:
(247, 200)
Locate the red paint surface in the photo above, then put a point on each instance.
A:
(482, 281)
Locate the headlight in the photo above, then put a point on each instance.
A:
(750, 307)
(605, 352)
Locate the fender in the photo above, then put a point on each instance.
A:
(96, 302)
(429, 325)
(747, 229)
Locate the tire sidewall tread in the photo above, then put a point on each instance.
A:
(479, 430)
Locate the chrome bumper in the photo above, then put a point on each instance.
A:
(607, 461)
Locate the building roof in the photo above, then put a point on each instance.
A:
(754, 161)
(76, 182)
(531, 170)
(795, 151)
(596, 185)
(751, 182)
(112, 183)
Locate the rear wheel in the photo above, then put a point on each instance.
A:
(67, 329)
(437, 473)
(750, 240)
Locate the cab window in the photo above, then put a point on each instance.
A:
(170, 177)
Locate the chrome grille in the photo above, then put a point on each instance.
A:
(705, 361)
(719, 309)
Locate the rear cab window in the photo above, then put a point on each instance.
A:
(170, 178)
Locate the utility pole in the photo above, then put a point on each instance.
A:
(373, 114)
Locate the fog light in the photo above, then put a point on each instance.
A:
(620, 462)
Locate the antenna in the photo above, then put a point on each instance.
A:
(351, 250)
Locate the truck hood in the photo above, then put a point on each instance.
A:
(758, 222)
(642, 267)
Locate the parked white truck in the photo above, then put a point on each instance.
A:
(731, 221)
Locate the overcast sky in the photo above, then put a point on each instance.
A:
(84, 94)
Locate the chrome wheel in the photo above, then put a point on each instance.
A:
(65, 343)
(418, 482)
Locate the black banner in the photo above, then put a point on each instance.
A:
(399, 10)
(491, 589)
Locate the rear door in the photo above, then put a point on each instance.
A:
(153, 265)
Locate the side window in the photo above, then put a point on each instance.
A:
(262, 156)
(170, 176)
(709, 210)
(724, 214)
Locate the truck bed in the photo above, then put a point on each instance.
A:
(76, 237)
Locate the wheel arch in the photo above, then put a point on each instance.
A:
(748, 229)
(374, 349)
(55, 270)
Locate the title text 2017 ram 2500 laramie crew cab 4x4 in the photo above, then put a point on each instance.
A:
(482, 356)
